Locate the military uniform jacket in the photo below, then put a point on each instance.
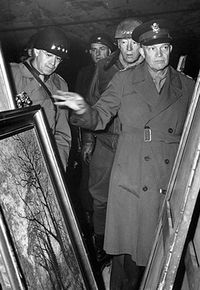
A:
(140, 168)
(57, 117)
(84, 79)
(109, 136)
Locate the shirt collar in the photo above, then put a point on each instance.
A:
(46, 77)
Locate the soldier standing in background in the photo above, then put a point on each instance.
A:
(99, 147)
(100, 46)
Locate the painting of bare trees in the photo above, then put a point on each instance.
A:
(26, 194)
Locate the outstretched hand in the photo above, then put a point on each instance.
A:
(71, 100)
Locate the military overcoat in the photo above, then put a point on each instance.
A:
(142, 164)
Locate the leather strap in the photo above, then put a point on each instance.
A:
(36, 76)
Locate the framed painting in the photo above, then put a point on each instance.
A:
(41, 244)
(7, 101)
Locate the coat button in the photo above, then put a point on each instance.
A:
(163, 191)
(145, 188)
(146, 158)
(167, 161)
(170, 130)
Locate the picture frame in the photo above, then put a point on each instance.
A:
(7, 100)
(41, 244)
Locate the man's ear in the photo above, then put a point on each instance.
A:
(141, 50)
(170, 48)
(118, 43)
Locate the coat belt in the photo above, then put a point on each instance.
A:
(155, 135)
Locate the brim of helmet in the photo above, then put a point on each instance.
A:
(112, 47)
(57, 53)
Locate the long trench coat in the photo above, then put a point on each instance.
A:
(141, 170)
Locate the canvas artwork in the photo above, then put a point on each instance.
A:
(41, 246)
(26, 194)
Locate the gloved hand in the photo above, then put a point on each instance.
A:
(86, 152)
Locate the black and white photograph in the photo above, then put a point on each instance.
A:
(99, 144)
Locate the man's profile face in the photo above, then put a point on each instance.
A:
(129, 50)
(157, 55)
(46, 62)
(99, 51)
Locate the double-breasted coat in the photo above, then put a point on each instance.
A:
(141, 169)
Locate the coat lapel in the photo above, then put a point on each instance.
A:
(171, 92)
(157, 103)
(144, 86)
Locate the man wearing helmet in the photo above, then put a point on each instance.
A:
(99, 147)
(100, 45)
(37, 78)
(129, 52)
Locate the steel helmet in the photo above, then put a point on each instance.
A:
(102, 38)
(126, 27)
(53, 40)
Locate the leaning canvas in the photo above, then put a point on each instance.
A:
(41, 245)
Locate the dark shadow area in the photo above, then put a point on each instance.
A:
(191, 48)
(78, 57)
(190, 235)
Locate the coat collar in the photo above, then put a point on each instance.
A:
(144, 86)
(142, 73)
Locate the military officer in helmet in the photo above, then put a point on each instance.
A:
(36, 76)
(99, 147)
(100, 45)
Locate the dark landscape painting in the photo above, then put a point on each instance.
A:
(35, 222)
